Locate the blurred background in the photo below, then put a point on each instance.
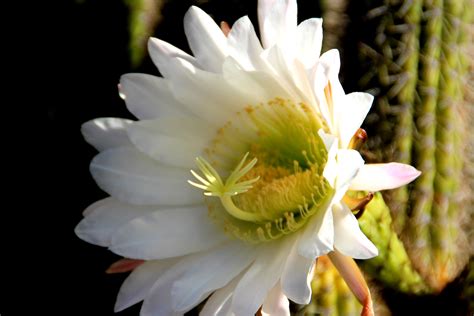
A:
(415, 56)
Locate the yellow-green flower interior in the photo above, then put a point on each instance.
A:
(283, 137)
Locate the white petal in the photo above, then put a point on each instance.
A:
(105, 133)
(309, 41)
(349, 239)
(352, 112)
(296, 277)
(348, 164)
(132, 177)
(206, 39)
(163, 54)
(105, 217)
(158, 300)
(219, 303)
(167, 233)
(137, 285)
(318, 236)
(244, 45)
(258, 85)
(276, 303)
(175, 141)
(149, 97)
(210, 271)
(206, 94)
(291, 72)
(277, 20)
(262, 276)
(376, 177)
(331, 62)
(330, 169)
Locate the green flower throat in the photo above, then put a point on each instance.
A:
(281, 187)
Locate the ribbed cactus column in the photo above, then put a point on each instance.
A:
(388, 46)
(405, 50)
(413, 57)
(419, 231)
(446, 242)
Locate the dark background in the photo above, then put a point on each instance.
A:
(56, 273)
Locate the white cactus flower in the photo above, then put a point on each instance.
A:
(266, 130)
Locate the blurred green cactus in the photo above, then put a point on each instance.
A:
(392, 265)
(143, 18)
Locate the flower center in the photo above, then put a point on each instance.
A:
(281, 187)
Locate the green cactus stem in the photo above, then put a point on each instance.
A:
(446, 241)
(392, 266)
(144, 16)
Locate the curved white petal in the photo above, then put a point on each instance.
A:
(318, 235)
(158, 299)
(206, 39)
(349, 239)
(132, 177)
(352, 112)
(276, 303)
(210, 271)
(277, 20)
(105, 133)
(244, 45)
(206, 94)
(219, 303)
(257, 85)
(348, 164)
(377, 177)
(261, 277)
(105, 217)
(328, 88)
(175, 141)
(149, 97)
(163, 54)
(291, 72)
(330, 169)
(331, 63)
(309, 41)
(139, 283)
(296, 277)
(318, 78)
(167, 233)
